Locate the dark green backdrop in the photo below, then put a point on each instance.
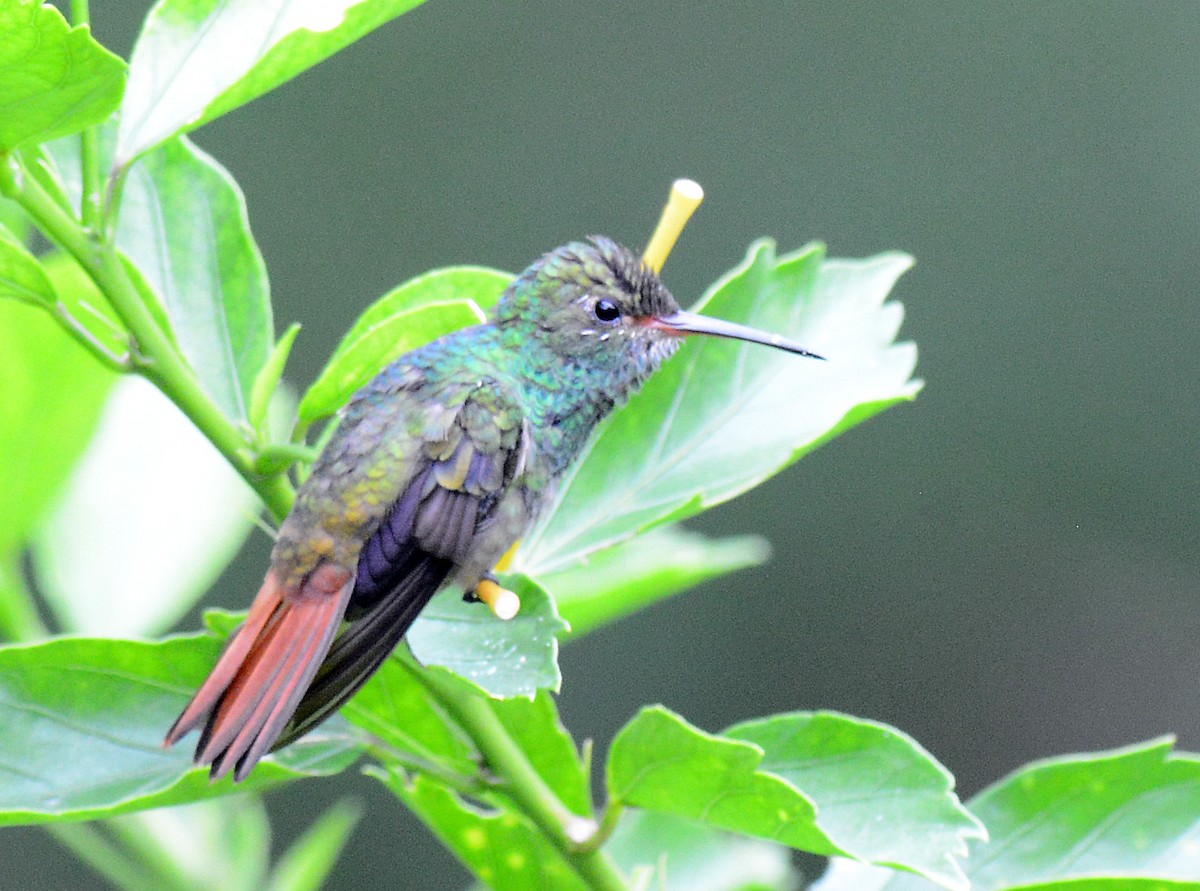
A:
(1007, 568)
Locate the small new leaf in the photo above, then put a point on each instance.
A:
(268, 379)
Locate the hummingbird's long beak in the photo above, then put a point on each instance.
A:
(681, 322)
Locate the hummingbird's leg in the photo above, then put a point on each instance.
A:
(503, 602)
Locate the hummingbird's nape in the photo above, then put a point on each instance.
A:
(691, 323)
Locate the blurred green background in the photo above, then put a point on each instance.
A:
(1006, 569)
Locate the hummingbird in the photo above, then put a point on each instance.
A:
(437, 467)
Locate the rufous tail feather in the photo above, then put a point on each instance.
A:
(266, 669)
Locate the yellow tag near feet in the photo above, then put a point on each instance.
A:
(503, 602)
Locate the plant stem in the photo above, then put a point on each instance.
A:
(152, 354)
(567, 831)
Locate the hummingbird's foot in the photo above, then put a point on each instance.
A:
(503, 602)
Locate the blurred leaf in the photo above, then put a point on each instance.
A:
(54, 79)
(198, 59)
(820, 782)
(723, 416)
(686, 856)
(1125, 819)
(408, 316)
(513, 658)
(183, 223)
(22, 277)
(82, 722)
(498, 845)
(53, 391)
(220, 843)
(311, 858)
(106, 559)
(620, 580)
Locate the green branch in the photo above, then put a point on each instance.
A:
(566, 831)
(89, 153)
(152, 353)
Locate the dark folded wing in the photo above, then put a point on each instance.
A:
(469, 458)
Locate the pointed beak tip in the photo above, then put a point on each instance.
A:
(682, 323)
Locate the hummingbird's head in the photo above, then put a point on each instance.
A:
(598, 303)
(594, 302)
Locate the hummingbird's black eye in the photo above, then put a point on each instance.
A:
(606, 310)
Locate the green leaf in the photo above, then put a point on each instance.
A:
(183, 223)
(311, 858)
(22, 277)
(821, 782)
(630, 576)
(678, 855)
(1095, 822)
(133, 574)
(408, 316)
(53, 393)
(54, 79)
(513, 658)
(198, 59)
(723, 416)
(82, 722)
(498, 845)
